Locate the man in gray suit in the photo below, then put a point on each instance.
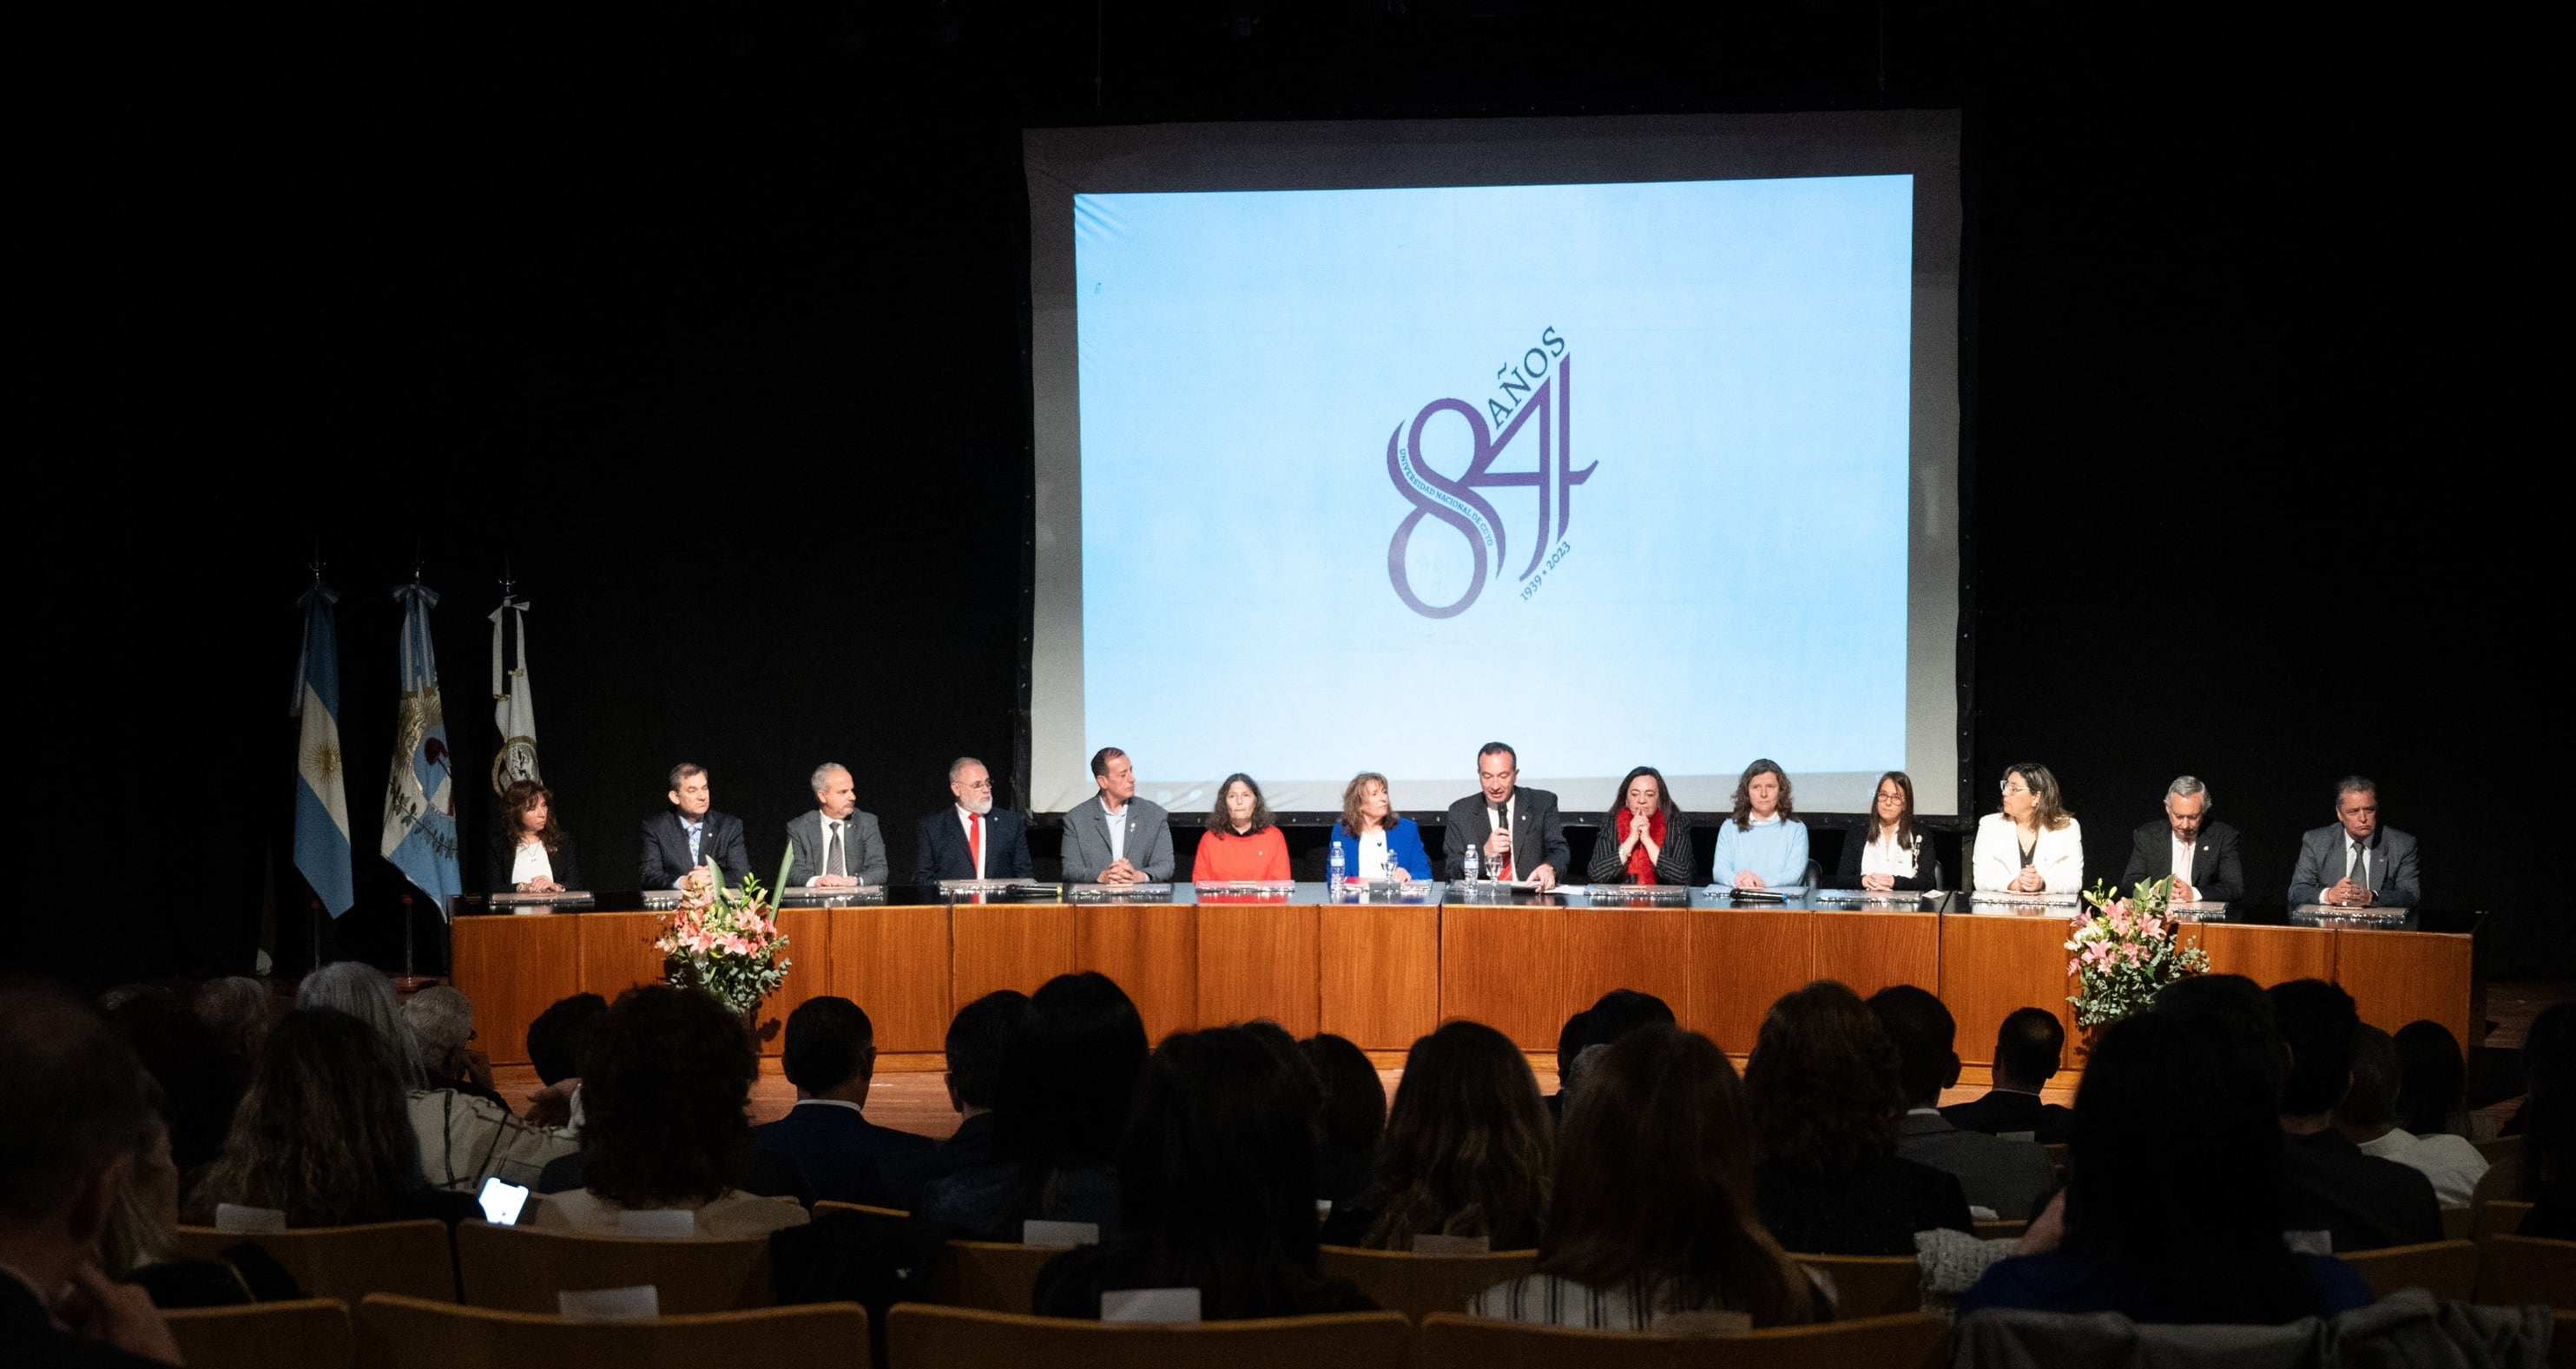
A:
(2356, 863)
(1115, 837)
(2007, 1177)
(836, 845)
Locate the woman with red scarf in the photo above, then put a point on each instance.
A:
(1645, 840)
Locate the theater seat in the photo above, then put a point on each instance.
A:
(413, 1333)
(1419, 1285)
(2514, 1271)
(2500, 1218)
(924, 1337)
(1910, 1341)
(347, 1262)
(1870, 1285)
(521, 1269)
(2446, 1269)
(995, 1276)
(309, 1334)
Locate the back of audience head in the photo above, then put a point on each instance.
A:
(1354, 1099)
(1279, 1041)
(830, 1049)
(143, 1225)
(1468, 1148)
(79, 1106)
(1824, 1082)
(2549, 1106)
(200, 1079)
(1072, 1073)
(362, 991)
(2432, 1080)
(1654, 1184)
(442, 1021)
(2369, 1107)
(324, 1135)
(1611, 1016)
(1923, 1033)
(1218, 1160)
(2029, 1048)
(2319, 1025)
(665, 1076)
(236, 1011)
(554, 1039)
(2176, 1173)
(2240, 1010)
(980, 1039)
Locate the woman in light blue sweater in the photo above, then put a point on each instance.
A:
(1763, 845)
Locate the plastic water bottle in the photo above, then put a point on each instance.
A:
(1474, 863)
(1333, 864)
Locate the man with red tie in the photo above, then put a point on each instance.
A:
(968, 839)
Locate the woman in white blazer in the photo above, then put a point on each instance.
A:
(2034, 845)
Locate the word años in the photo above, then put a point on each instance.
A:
(1516, 381)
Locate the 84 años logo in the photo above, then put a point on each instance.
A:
(1537, 393)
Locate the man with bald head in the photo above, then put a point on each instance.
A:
(971, 839)
(836, 845)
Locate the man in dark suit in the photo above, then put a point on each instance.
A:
(2368, 1203)
(837, 845)
(2008, 1178)
(831, 1059)
(1518, 831)
(691, 834)
(980, 1041)
(2199, 854)
(968, 839)
(2355, 862)
(2027, 1050)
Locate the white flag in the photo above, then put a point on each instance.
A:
(514, 710)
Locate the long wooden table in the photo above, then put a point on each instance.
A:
(1383, 974)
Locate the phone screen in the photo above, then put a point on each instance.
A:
(502, 1202)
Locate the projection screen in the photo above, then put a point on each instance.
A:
(1624, 441)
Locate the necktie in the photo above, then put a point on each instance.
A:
(1503, 823)
(694, 833)
(2360, 871)
(975, 841)
(833, 861)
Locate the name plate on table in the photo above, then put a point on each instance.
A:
(1385, 891)
(661, 900)
(1120, 893)
(1002, 890)
(518, 903)
(1776, 894)
(2008, 904)
(1874, 898)
(2330, 915)
(1488, 890)
(2198, 910)
(848, 895)
(1246, 890)
(1631, 895)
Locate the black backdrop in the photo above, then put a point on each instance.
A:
(711, 331)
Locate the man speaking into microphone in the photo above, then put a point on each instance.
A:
(1519, 831)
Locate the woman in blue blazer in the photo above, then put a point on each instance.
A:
(1370, 833)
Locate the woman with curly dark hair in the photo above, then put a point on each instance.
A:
(530, 852)
(1826, 1102)
(1467, 1148)
(666, 1077)
(1243, 841)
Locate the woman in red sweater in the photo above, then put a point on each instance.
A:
(1241, 842)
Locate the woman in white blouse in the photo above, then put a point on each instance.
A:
(2034, 845)
(530, 854)
(1887, 851)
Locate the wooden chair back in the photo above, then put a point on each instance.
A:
(1911, 1341)
(926, 1337)
(993, 1276)
(413, 1333)
(2499, 1148)
(2001, 1228)
(2499, 1218)
(863, 1209)
(1870, 1285)
(1419, 1285)
(2459, 1223)
(2514, 1271)
(347, 1262)
(521, 1269)
(312, 1333)
(2446, 1269)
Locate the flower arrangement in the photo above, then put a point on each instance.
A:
(724, 941)
(2126, 950)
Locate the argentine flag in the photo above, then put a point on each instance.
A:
(321, 795)
(420, 794)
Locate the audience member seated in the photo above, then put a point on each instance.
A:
(1216, 1184)
(2008, 1178)
(2366, 1202)
(1352, 1117)
(2541, 1170)
(831, 1058)
(554, 1051)
(236, 1010)
(2028, 1049)
(201, 1079)
(462, 1140)
(2368, 1115)
(1652, 1212)
(1826, 1099)
(140, 1243)
(1467, 1150)
(442, 1020)
(1065, 1086)
(78, 1107)
(666, 1078)
(324, 1135)
(2174, 1203)
(978, 1045)
(2433, 1084)
(1611, 1016)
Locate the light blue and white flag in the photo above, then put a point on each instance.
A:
(420, 795)
(514, 708)
(321, 791)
